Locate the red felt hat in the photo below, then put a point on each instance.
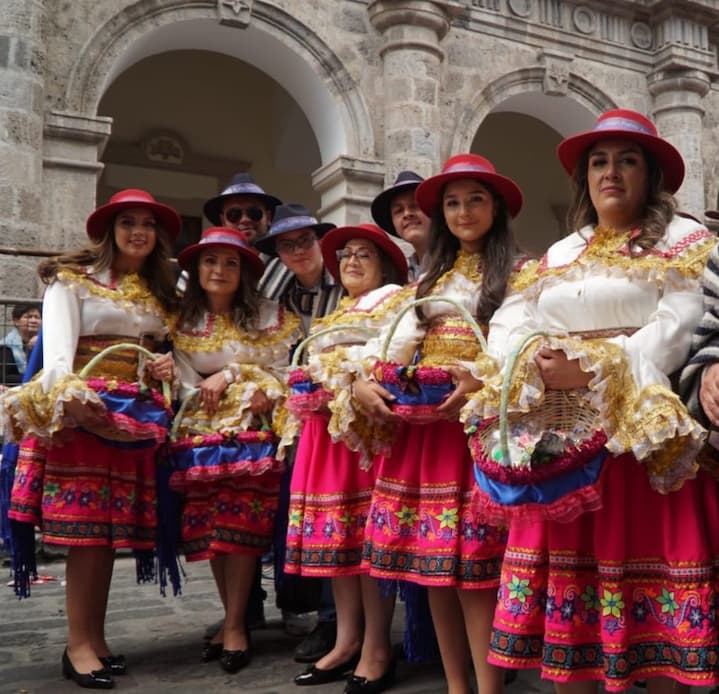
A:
(221, 237)
(336, 239)
(626, 124)
(472, 166)
(97, 222)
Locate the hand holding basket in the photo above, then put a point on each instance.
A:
(541, 464)
(134, 412)
(419, 390)
(307, 396)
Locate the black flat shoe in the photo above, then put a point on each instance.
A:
(234, 661)
(210, 652)
(97, 679)
(314, 675)
(116, 664)
(361, 685)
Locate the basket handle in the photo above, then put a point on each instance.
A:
(191, 395)
(332, 329)
(85, 371)
(432, 299)
(504, 395)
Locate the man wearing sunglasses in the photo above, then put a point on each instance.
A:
(244, 206)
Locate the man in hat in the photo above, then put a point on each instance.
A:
(244, 206)
(308, 290)
(396, 211)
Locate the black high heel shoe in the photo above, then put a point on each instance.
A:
(97, 679)
(211, 651)
(234, 661)
(361, 685)
(314, 675)
(116, 664)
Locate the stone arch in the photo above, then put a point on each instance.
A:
(274, 42)
(523, 91)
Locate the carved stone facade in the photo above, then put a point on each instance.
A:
(383, 85)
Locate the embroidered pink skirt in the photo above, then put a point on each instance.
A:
(87, 493)
(329, 501)
(623, 593)
(422, 526)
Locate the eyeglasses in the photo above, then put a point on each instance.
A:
(235, 214)
(303, 243)
(363, 255)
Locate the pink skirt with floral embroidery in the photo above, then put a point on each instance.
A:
(422, 526)
(329, 500)
(623, 593)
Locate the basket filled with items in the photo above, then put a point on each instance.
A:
(420, 388)
(203, 453)
(538, 464)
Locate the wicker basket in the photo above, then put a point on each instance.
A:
(419, 390)
(541, 464)
(212, 456)
(307, 396)
(134, 412)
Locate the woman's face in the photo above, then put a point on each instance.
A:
(618, 182)
(219, 275)
(469, 210)
(360, 267)
(28, 325)
(135, 231)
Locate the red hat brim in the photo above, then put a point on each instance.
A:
(97, 223)
(570, 151)
(428, 192)
(336, 239)
(189, 255)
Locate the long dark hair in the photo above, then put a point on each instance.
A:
(498, 254)
(245, 302)
(659, 207)
(100, 255)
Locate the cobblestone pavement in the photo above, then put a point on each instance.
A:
(161, 638)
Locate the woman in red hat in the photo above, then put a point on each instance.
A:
(96, 490)
(232, 351)
(627, 590)
(330, 490)
(421, 526)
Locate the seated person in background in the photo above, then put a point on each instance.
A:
(19, 341)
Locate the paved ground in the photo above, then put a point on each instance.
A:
(161, 638)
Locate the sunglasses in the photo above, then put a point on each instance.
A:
(235, 214)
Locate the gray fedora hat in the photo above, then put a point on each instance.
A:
(290, 217)
(380, 209)
(241, 184)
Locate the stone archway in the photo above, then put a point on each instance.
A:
(517, 124)
(273, 42)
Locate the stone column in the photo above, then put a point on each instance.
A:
(678, 112)
(411, 58)
(73, 145)
(22, 93)
(347, 186)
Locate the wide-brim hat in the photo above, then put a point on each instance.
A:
(97, 223)
(471, 166)
(290, 217)
(241, 184)
(221, 237)
(382, 204)
(626, 124)
(336, 239)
